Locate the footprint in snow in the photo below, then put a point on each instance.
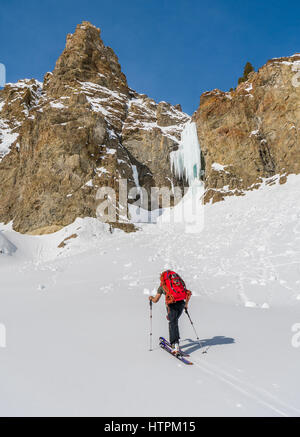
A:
(134, 283)
(261, 248)
(249, 304)
(41, 287)
(106, 289)
(127, 278)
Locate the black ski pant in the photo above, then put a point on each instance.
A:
(174, 312)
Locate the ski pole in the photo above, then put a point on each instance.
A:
(193, 326)
(150, 325)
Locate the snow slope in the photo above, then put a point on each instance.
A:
(6, 247)
(77, 317)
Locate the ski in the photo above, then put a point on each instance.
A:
(162, 339)
(179, 357)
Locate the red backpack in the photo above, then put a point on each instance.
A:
(174, 287)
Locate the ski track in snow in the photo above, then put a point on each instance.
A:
(258, 394)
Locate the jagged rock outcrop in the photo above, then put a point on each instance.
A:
(82, 129)
(150, 133)
(252, 132)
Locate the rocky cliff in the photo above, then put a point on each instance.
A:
(81, 129)
(252, 132)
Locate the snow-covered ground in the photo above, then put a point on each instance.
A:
(77, 323)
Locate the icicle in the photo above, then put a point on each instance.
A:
(137, 183)
(186, 161)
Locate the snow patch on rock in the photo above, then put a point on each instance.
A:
(6, 247)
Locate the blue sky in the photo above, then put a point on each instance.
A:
(172, 50)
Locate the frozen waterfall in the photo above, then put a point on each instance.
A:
(186, 161)
(186, 164)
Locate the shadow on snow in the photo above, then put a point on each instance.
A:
(193, 345)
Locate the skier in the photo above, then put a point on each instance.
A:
(177, 298)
